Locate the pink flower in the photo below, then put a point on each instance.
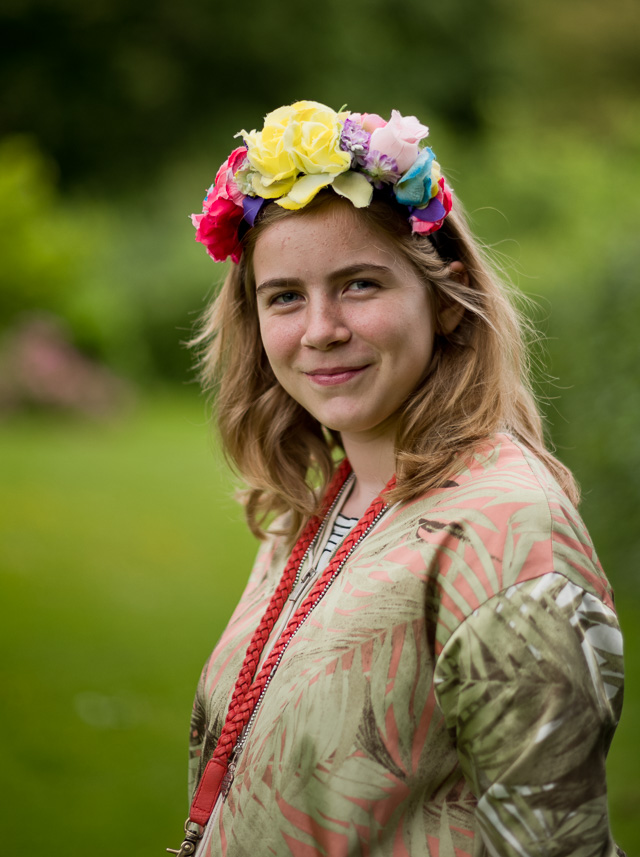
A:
(225, 183)
(222, 211)
(399, 139)
(426, 227)
(368, 121)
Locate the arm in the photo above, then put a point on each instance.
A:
(197, 733)
(531, 688)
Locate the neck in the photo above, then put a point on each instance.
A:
(373, 463)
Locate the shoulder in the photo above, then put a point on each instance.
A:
(271, 558)
(500, 520)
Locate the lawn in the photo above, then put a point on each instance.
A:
(122, 555)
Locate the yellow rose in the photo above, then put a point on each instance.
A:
(317, 149)
(300, 138)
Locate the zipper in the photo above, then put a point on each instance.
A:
(302, 580)
(237, 750)
(300, 586)
(348, 481)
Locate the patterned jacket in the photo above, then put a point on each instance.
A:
(453, 694)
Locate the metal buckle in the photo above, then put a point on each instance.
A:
(190, 843)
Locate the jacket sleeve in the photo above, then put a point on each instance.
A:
(197, 734)
(531, 688)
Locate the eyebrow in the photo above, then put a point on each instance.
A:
(340, 274)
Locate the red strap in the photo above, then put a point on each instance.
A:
(247, 691)
(207, 791)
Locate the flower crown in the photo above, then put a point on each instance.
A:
(307, 146)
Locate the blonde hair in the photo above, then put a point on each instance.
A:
(478, 381)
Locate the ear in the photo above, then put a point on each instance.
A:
(451, 315)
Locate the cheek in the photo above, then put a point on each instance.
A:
(405, 331)
(411, 342)
(278, 340)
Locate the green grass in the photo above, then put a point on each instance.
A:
(122, 555)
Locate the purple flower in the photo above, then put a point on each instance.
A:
(355, 139)
(381, 169)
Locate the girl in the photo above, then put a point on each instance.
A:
(426, 659)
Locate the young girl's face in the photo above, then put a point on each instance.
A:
(345, 320)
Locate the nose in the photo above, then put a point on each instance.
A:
(325, 326)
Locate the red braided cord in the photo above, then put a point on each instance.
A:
(249, 702)
(233, 725)
(245, 694)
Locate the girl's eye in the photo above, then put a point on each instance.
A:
(285, 298)
(362, 285)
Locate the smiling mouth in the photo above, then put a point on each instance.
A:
(339, 375)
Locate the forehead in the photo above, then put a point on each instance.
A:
(331, 237)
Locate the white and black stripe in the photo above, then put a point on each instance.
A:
(341, 528)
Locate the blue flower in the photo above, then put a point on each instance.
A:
(414, 188)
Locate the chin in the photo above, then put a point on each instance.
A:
(354, 425)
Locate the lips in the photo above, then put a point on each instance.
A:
(335, 370)
(335, 374)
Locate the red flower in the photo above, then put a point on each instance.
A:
(222, 212)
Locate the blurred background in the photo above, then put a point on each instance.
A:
(122, 552)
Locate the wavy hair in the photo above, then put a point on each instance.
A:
(478, 381)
